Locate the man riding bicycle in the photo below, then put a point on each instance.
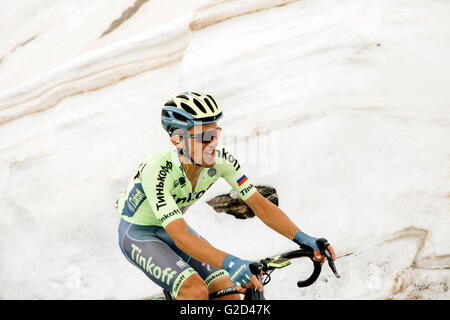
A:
(153, 234)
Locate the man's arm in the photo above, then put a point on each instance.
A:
(277, 220)
(193, 245)
(198, 248)
(272, 216)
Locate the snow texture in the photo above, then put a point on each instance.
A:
(342, 106)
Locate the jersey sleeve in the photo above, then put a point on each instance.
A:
(233, 173)
(156, 181)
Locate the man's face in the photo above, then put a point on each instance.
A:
(202, 152)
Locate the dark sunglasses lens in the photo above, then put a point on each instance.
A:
(208, 136)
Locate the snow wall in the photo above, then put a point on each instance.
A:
(342, 106)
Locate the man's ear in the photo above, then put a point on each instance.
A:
(176, 141)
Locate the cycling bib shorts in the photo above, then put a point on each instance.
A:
(151, 249)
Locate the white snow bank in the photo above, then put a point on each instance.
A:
(341, 106)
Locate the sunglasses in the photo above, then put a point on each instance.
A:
(207, 136)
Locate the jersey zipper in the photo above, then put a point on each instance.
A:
(200, 177)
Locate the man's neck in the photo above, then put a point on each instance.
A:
(191, 170)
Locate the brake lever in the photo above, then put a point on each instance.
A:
(323, 246)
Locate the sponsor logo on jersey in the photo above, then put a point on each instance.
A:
(212, 172)
(134, 201)
(138, 173)
(246, 190)
(240, 181)
(190, 197)
(229, 157)
(170, 214)
(162, 175)
(180, 182)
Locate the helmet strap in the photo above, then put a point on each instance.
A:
(187, 155)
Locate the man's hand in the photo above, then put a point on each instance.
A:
(240, 273)
(302, 239)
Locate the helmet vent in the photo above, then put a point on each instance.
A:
(182, 96)
(179, 116)
(188, 109)
(217, 108)
(212, 118)
(209, 105)
(199, 105)
(195, 93)
(170, 104)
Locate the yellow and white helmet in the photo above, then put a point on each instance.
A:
(189, 109)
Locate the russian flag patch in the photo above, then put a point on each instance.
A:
(241, 180)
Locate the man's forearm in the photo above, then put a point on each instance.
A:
(272, 216)
(201, 250)
(277, 220)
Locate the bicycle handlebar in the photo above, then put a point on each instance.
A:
(323, 246)
(317, 266)
(269, 264)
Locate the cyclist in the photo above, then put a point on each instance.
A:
(153, 234)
